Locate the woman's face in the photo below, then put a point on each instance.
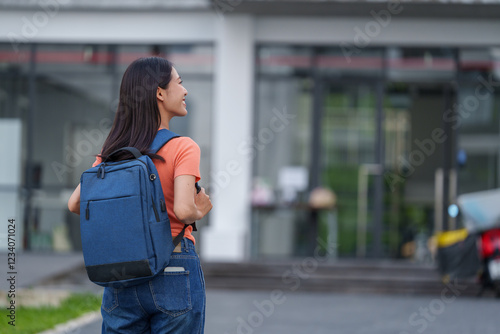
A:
(175, 96)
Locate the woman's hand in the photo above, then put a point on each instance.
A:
(203, 203)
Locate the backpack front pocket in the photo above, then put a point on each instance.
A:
(103, 231)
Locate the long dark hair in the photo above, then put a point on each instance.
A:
(138, 118)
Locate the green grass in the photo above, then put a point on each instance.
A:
(32, 320)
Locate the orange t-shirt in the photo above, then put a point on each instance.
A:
(182, 157)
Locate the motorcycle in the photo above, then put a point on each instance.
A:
(481, 213)
(489, 247)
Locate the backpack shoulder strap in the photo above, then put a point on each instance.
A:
(162, 137)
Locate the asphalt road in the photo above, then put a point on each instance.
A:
(255, 312)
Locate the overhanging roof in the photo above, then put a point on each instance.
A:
(356, 8)
(363, 8)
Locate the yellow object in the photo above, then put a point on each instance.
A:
(448, 238)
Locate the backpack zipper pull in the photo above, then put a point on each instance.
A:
(87, 211)
(163, 206)
(100, 171)
(157, 216)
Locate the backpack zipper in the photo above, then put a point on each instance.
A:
(157, 216)
(101, 170)
(87, 211)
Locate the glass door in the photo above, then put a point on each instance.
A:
(419, 164)
(349, 163)
(389, 157)
(479, 128)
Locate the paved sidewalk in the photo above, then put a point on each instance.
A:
(293, 312)
(34, 268)
(252, 312)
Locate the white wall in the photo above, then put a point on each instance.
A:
(106, 27)
(392, 30)
(181, 27)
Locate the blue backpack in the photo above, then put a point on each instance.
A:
(125, 229)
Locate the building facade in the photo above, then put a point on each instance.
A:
(392, 105)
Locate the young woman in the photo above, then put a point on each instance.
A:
(151, 94)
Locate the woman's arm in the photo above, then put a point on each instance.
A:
(188, 205)
(74, 201)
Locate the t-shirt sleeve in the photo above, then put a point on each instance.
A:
(187, 158)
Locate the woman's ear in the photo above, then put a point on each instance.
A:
(160, 94)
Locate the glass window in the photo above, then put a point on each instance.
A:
(14, 108)
(14, 59)
(339, 61)
(13, 81)
(478, 120)
(282, 222)
(420, 64)
(291, 138)
(479, 68)
(72, 117)
(64, 58)
(284, 59)
(418, 82)
(348, 128)
(192, 59)
(282, 139)
(348, 124)
(76, 91)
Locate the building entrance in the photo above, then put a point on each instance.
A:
(397, 133)
(389, 155)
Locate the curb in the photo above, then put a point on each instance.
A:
(60, 275)
(73, 326)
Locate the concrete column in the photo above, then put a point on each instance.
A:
(227, 237)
